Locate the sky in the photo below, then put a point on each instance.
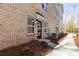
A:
(71, 9)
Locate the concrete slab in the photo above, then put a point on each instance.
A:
(52, 45)
(66, 48)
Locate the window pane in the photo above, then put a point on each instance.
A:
(45, 30)
(30, 21)
(30, 29)
(45, 24)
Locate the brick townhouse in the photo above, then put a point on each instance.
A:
(20, 21)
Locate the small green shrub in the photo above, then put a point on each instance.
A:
(26, 51)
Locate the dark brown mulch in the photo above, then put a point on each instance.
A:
(38, 49)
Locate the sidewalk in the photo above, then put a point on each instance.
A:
(66, 48)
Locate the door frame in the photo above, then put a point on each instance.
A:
(41, 28)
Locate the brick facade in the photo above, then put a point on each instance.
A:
(13, 22)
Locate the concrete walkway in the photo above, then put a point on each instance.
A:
(66, 48)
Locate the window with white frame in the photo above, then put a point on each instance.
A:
(30, 25)
(45, 26)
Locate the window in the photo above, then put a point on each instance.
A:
(45, 6)
(30, 26)
(61, 18)
(56, 29)
(45, 29)
(45, 26)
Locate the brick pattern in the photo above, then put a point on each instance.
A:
(13, 22)
(13, 25)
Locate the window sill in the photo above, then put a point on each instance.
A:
(29, 34)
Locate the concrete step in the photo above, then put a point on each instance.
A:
(52, 45)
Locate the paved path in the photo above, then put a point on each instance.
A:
(66, 48)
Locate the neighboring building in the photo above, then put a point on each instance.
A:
(19, 22)
(60, 16)
(57, 16)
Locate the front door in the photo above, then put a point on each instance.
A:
(39, 29)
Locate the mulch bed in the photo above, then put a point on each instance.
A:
(38, 49)
(76, 39)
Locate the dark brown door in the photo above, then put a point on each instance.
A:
(39, 29)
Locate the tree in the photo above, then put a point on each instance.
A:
(71, 24)
(65, 27)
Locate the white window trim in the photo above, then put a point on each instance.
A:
(31, 25)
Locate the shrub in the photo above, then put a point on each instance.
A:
(26, 51)
(44, 44)
(54, 36)
(61, 35)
